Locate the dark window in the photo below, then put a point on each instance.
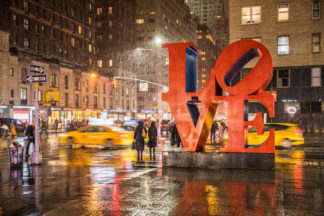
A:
(311, 107)
(95, 102)
(316, 9)
(23, 74)
(283, 78)
(12, 93)
(66, 99)
(151, 20)
(300, 77)
(76, 83)
(66, 81)
(77, 101)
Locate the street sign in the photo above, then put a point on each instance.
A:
(37, 69)
(143, 86)
(33, 79)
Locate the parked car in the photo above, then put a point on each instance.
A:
(97, 136)
(286, 135)
(19, 125)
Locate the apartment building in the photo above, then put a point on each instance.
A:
(158, 22)
(293, 33)
(207, 58)
(59, 36)
(214, 14)
(115, 31)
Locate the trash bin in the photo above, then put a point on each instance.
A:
(16, 155)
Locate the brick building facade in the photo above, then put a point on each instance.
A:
(293, 33)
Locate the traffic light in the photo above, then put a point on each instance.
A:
(114, 84)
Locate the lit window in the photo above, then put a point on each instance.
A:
(80, 29)
(90, 48)
(99, 11)
(177, 21)
(110, 10)
(43, 29)
(72, 42)
(203, 59)
(203, 81)
(26, 24)
(90, 6)
(283, 12)
(110, 36)
(203, 75)
(199, 36)
(251, 15)
(26, 42)
(23, 93)
(316, 77)
(316, 42)
(99, 63)
(110, 23)
(152, 12)
(316, 9)
(203, 53)
(11, 72)
(89, 20)
(110, 63)
(283, 45)
(139, 21)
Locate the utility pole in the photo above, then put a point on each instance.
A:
(36, 155)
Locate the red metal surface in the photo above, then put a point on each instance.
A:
(251, 87)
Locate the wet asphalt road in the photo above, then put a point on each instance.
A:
(111, 182)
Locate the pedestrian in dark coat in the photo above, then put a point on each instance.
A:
(176, 136)
(139, 136)
(30, 133)
(213, 130)
(152, 134)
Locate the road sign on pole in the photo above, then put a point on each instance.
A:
(37, 69)
(33, 79)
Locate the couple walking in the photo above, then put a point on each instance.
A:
(140, 135)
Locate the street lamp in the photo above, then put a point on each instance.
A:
(158, 40)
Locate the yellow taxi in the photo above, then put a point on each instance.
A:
(97, 136)
(286, 135)
(132, 128)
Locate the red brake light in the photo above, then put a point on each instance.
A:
(299, 132)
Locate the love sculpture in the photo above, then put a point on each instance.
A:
(194, 111)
